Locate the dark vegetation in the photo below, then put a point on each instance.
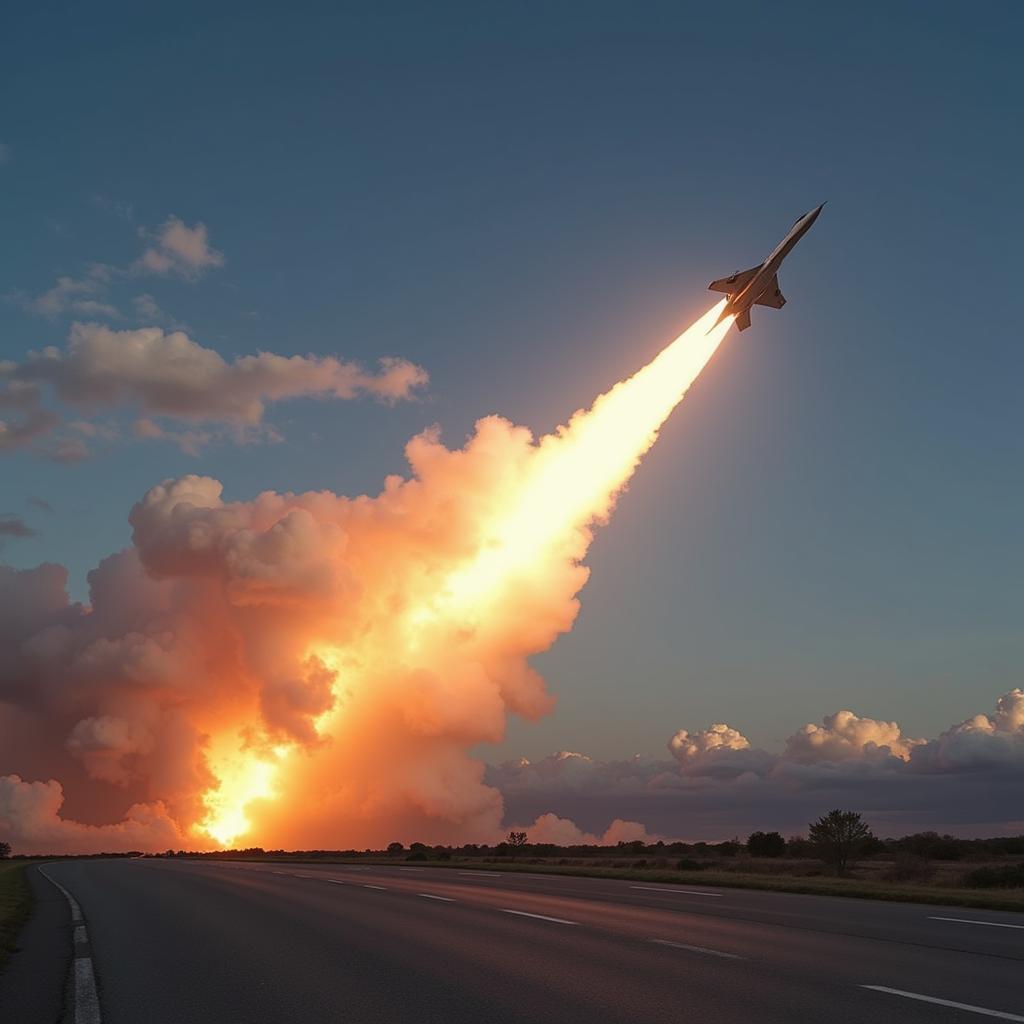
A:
(15, 904)
(838, 856)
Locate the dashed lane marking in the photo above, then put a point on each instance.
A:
(684, 892)
(537, 917)
(967, 1007)
(431, 896)
(965, 920)
(698, 949)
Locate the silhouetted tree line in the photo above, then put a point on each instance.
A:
(838, 839)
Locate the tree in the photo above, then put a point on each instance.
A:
(5, 850)
(517, 840)
(838, 837)
(396, 848)
(765, 844)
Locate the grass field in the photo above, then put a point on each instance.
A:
(999, 899)
(15, 904)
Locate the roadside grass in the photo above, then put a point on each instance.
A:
(15, 905)
(818, 886)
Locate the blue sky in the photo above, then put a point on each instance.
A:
(529, 202)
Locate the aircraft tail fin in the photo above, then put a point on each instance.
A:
(743, 320)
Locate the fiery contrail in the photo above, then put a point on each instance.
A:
(443, 650)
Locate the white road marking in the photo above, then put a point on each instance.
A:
(280, 872)
(685, 892)
(365, 886)
(431, 896)
(87, 1002)
(965, 920)
(410, 869)
(945, 1002)
(698, 949)
(336, 881)
(86, 999)
(539, 917)
(482, 874)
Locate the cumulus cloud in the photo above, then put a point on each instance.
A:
(967, 779)
(169, 374)
(983, 741)
(549, 828)
(175, 249)
(158, 373)
(718, 751)
(686, 746)
(844, 735)
(181, 250)
(30, 817)
(82, 296)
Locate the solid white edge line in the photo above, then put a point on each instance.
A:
(964, 920)
(431, 896)
(87, 1002)
(538, 917)
(685, 892)
(981, 1010)
(698, 949)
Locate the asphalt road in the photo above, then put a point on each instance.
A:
(192, 941)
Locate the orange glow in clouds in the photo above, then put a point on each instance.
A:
(476, 567)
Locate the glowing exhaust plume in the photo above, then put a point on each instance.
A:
(312, 671)
(570, 481)
(578, 471)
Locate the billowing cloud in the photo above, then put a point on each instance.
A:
(844, 735)
(30, 815)
(167, 374)
(967, 779)
(549, 828)
(181, 250)
(984, 741)
(718, 750)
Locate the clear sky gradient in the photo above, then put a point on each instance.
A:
(529, 200)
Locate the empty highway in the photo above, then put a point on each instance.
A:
(192, 941)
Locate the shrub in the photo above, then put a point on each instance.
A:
(908, 867)
(766, 844)
(1006, 876)
(689, 865)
